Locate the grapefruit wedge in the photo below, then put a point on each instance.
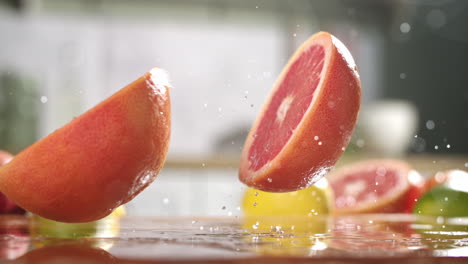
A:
(307, 120)
(98, 161)
(376, 186)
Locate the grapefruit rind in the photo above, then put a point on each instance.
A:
(100, 160)
(301, 162)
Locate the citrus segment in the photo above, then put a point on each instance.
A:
(98, 161)
(307, 120)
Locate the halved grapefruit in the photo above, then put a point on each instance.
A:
(98, 161)
(376, 186)
(307, 121)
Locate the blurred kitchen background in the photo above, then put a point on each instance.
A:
(58, 58)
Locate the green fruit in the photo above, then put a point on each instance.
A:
(449, 199)
(106, 227)
(50, 228)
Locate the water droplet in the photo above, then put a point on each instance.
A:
(466, 164)
(269, 180)
(448, 146)
(44, 99)
(316, 137)
(402, 75)
(201, 228)
(194, 221)
(294, 35)
(343, 148)
(370, 221)
(223, 208)
(203, 164)
(256, 7)
(220, 109)
(446, 199)
(205, 105)
(161, 113)
(166, 200)
(360, 143)
(320, 143)
(430, 124)
(254, 204)
(256, 194)
(251, 105)
(238, 208)
(405, 27)
(436, 147)
(255, 226)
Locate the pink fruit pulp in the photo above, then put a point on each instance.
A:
(287, 107)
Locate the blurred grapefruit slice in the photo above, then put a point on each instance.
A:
(376, 186)
(307, 120)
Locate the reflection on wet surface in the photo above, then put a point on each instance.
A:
(347, 238)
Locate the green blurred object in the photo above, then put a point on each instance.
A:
(448, 197)
(50, 228)
(443, 201)
(105, 227)
(19, 105)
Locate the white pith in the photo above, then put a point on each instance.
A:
(283, 108)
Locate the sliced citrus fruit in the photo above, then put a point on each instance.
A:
(98, 161)
(448, 196)
(307, 120)
(105, 227)
(299, 211)
(376, 186)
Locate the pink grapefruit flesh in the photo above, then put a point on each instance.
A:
(375, 186)
(307, 121)
(100, 160)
